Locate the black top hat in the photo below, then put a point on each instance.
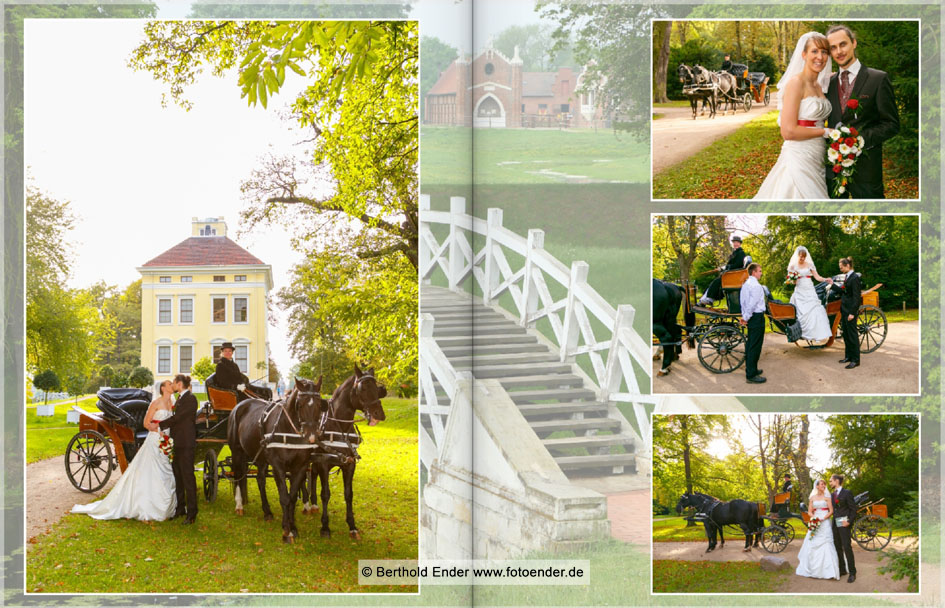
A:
(227, 345)
(736, 238)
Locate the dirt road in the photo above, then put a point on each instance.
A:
(868, 580)
(676, 136)
(892, 369)
(49, 495)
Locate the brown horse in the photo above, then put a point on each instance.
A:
(360, 392)
(281, 434)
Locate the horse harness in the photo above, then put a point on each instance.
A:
(287, 441)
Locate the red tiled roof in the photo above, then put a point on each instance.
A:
(448, 81)
(205, 251)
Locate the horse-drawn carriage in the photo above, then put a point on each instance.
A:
(720, 339)
(736, 87)
(772, 528)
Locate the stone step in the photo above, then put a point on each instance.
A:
(555, 394)
(590, 442)
(480, 361)
(616, 462)
(449, 341)
(467, 313)
(587, 424)
(479, 330)
(517, 369)
(590, 409)
(466, 350)
(550, 381)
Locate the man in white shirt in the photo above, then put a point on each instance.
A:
(752, 301)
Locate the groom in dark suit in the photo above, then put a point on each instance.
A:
(183, 426)
(850, 300)
(874, 116)
(843, 506)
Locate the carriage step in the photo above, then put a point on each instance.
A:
(554, 394)
(587, 424)
(550, 381)
(508, 359)
(485, 340)
(562, 409)
(597, 461)
(506, 329)
(517, 369)
(594, 441)
(465, 350)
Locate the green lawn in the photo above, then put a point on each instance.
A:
(227, 553)
(714, 577)
(674, 103)
(531, 156)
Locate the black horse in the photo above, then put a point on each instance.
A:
(363, 392)
(718, 514)
(690, 78)
(281, 434)
(667, 299)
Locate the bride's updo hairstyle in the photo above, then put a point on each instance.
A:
(818, 40)
(814, 491)
(183, 379)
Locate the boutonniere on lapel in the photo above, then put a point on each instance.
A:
(853, 105)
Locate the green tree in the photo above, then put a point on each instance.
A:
(46, 381)
(108, 374)
(121, 314)
(536, 47)
(435, 57)
(75, 386)
(202, 369)
(273, 371)
(681, 440)
(140, 377)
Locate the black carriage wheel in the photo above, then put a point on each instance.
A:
(872, 532)
(774, 539)
(789, 530)
(210, 476)
(746, 101)
(722, 349)
(767, 95)
(89, 461)
(872, 326)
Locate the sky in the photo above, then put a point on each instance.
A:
(818, 451)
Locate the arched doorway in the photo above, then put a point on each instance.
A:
(489, 112)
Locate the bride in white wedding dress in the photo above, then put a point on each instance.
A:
(818, 556)
(145, 490)
(811, 313)
(799, 172)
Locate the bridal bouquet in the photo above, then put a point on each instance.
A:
(844, 146)
(167, 446)
(792, 278)
(814, 524)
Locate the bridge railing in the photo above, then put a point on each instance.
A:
(434, 406)
(615, 355)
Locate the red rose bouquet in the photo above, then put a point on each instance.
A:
(844, 146)
(813, 524)
(792, 278)
(167, 446)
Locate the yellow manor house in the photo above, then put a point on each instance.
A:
(200, 293)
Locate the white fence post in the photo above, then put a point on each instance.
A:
(536, 241)
(492, 275)
(426, 256)
(456, 262)
(612, 372)
(571, 326)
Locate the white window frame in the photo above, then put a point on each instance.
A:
(239, 278)
(170, 301)
(170, 358)
(180, 359)
(215, 344)
(180, 309)
(236, 358)
(161, 279)
(245, 297)
(225, 306)
(187, 278)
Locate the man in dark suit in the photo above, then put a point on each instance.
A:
(850, 300)
(229, 376)
(875, 116)
(736, 261)
(183, 426)
(844, 506)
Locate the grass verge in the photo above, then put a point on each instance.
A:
(713, 577)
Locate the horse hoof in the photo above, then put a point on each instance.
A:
(709, 550)
(656, 357)
(746, 549)
(267, 517)
(663, 372)
(239, 512)
(288, 539)
(355, 535)
(326, 533)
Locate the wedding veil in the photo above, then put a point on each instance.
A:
(796, 66)
(795, 259)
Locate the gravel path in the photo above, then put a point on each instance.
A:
(868, 580)
(892, 369)
(49, 495)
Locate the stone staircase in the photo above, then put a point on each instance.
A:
(551, 395)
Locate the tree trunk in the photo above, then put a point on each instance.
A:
(764, 460)
(687, 450)
(801, 472)
(683, 29)
(738, 41)
(662, 64)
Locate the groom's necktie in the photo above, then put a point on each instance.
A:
(844, 88)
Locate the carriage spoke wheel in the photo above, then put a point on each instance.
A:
(722, 349)
(89, 461)
(872, 532)
(872, 327)
(767, 95)
(746, 101)
(775, 539)
(210, 476)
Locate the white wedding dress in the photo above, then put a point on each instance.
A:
(818, 557)
(810, 312)
(799, 172)
(146, 490)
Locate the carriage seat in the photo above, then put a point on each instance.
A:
(732, 281)
(757, 78)
(221, 399)
(781, 504)
(781, 311)
(861, 498)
